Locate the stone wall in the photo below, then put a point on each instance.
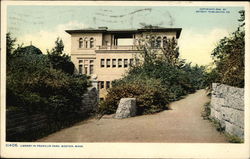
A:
(227, 107)
(20, 123)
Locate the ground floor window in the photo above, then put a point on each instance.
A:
(80, 69)
(119, 62)
(125, 63)
(107, 84)
(113, 62)
(91, 69)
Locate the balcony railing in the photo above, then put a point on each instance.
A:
(117, 47)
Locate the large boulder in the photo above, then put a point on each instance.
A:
(126, 108)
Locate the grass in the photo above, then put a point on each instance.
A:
(206, 111)
(233, 139)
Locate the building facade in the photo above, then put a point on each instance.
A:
(105, 55)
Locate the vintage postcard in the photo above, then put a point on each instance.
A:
(113, 79)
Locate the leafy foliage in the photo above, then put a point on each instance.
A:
(229, 56)
(59, 60)
(150, 96)
(34, 86)
(160, 79)
(27, 50)
(10, 43)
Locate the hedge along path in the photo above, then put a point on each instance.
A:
(181, 124)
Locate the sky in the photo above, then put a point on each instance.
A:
(202, 27)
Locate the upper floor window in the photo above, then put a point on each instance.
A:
(102, 62)
(158, 42)
(80, 43)
(164, 40)
(152, 41)
(91, 42)
(108, 62)
(86, 42)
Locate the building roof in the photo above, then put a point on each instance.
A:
(128, 31)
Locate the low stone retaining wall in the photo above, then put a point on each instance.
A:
(20, 123)
(227, 107)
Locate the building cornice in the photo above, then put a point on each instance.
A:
(127, 31)
(117, 51)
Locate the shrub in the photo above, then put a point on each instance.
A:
(154, 85)
(33, 86)
(177, 81)
(149, 94)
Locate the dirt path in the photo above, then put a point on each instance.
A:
(181, 124)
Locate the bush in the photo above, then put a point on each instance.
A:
(149, 94)
(43, 84)
(33, 86)
(177, 81)
(154, 85)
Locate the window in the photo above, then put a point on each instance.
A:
(164, 40)
(158, 42)
(152, 42)
(108, 63)
(91, 69)
(101, 84)
(137, 61)
(80, 61)
(102, 62)
(125, 62)
(107, 84)
(113, 62)
(119, 62)
(86, 42)
(91, 43)
(86, 62)
(80, 69)
(131, 62)
(86, 69)
(80, 43)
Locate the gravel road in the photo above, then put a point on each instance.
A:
(182, 124)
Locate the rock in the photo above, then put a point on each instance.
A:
(126, 108)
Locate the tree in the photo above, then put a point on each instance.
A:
(10, 44)
(152, 51)
(27, 50)
(59, 60)
(229, 56)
